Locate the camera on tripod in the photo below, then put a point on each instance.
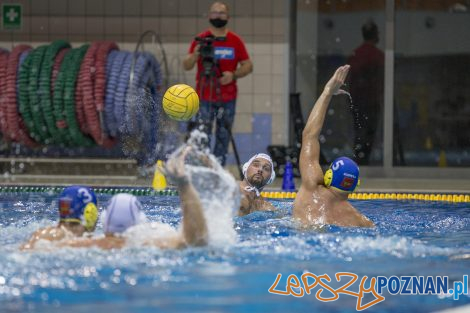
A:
(207, 52)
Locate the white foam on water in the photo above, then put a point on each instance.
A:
(398, 246)
(140, 234)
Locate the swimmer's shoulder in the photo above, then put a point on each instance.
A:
(351, 216)
(50, 233)
(306, 193)
(108, 243)
(173, 242)
(105, 242)
(264, 205)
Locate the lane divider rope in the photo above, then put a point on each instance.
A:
(146, 191)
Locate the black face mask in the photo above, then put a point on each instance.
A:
(217, 22)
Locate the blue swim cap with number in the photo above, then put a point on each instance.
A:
(343, 174)
(78, 204)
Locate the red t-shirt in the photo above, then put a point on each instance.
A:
(366, 76)
(228, 54)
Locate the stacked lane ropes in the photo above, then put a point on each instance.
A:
(80, 97)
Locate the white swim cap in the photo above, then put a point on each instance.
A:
(262, 156)
(123, 211)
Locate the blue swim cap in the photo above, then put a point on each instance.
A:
(343, 174)
(78, 204)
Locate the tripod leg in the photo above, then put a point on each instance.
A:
(235, 152)
(207, 116)
(225, 119)
(224, 122)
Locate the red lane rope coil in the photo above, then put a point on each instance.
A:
(87, 77)
(16, 124)
(3, 96)
(56, 67)
(84, 106)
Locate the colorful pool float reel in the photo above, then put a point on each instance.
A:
(56, 95)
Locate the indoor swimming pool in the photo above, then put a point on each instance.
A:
(412, 238)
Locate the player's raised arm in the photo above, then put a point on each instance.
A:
(310, 169)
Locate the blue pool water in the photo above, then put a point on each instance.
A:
(411, 238)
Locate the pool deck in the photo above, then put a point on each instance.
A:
(110, 173)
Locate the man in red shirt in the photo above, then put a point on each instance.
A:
(217, 75)
(366, 86)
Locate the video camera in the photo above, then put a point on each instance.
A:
(207, 53)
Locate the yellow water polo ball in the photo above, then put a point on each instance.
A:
(180, 102)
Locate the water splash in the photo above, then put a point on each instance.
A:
(344, 92)
(141, 234)
(358, 119)
(136, 132)
(411, 238)
(146, 133)
(217, 189)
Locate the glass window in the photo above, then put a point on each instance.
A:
(330, 34)
(432, 84)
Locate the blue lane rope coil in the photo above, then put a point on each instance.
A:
(121, 88)
(22, 58)
(110, 99)
(107, 102)
(141, 108)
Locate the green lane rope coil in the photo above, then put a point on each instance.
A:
(58, 100)
(39, 131)
(56, 68)
(45, 88)
(23, 95)
(72, 69)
